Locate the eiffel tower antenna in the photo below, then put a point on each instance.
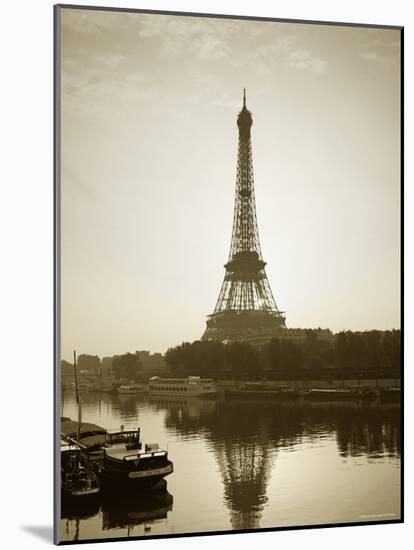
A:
(246, 308)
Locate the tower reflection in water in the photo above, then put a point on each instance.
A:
(245, 438)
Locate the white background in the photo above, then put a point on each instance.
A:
(26, 269)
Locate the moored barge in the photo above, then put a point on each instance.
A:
(127, 463)
(262, 392)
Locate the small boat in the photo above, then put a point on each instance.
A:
(106, 387)
(127, 464)
(132, 389)
(193, 386)
(77, 479)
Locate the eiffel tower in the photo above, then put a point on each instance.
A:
(246, 309)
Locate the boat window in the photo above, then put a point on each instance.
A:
(132, 457)
(155, 453)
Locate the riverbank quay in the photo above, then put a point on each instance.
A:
(280, 387)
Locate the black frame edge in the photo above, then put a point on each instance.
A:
(56, 270)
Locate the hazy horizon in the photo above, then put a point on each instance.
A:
(149, 149)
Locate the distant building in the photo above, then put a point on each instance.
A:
(299, 335)
(259, 337)
(106, 367)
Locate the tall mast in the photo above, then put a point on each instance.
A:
(77, 395)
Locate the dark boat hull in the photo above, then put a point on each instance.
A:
(138, 479)
(339, 395)
(262, 394)
(77, 494)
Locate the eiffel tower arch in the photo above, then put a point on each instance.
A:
(246, 309)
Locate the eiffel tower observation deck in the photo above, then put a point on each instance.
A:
(246, 309)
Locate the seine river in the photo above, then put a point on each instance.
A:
(248, 464)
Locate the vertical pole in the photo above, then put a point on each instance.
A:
(77, 395)
(76, 377)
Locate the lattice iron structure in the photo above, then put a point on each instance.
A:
(245, 301)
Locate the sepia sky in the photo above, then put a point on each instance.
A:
(149, 147)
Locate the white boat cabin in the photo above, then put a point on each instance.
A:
(191, 386)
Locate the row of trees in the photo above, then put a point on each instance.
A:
(372, 350)
(127, 366)
(212, 359)
(371, 353)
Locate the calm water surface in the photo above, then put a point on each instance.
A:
(248, 464)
